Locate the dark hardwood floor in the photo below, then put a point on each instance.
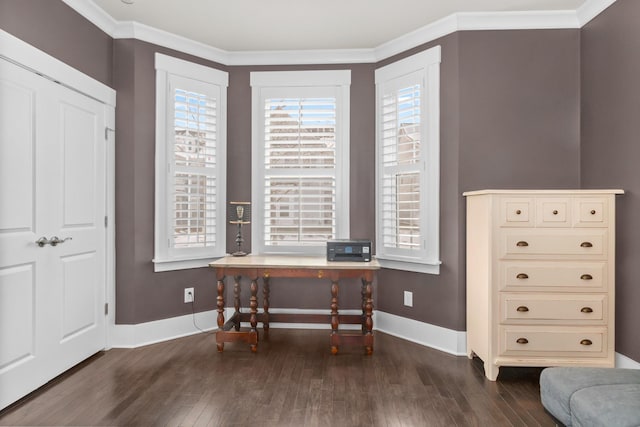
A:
(293, 380)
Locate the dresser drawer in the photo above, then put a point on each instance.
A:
(590, 212)
(517, 212)
(553, 276)
(553, 212)
(576, 309)
(552, 341)
(551, 243)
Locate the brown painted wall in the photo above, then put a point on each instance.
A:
(141, 294)
(60, 31)
(510, 119)
(611, 147)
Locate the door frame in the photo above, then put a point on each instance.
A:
(33, 59)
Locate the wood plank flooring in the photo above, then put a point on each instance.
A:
(293, 380)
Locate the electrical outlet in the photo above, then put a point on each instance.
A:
(189, 295)
(408, 298)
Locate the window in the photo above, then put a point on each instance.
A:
(190, 164)
(407, 163)
(300, 181)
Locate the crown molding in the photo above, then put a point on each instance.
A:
(138, 31)
(468, 21)
(94, 14)
(590, 9)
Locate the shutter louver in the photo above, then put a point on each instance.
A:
(300, 171)
(401, 163)
(194, 170)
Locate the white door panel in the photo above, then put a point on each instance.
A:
(52, 183)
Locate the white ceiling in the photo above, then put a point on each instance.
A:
(273, 25)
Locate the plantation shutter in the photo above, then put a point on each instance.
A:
(402, 165)
(299, 171)
(193, 169)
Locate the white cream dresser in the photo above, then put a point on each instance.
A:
(540, 278)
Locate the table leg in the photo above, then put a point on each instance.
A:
(364, 305)
(368, 339)
(334, 316)
(220, 304)
(265, 306)
(236, 300)
(253, 305)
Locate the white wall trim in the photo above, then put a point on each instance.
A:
(439, 338)
(623, 361)
(590, 9)
(468, 21)
(27, 56)
(141, 334)
(436, 337)
(94, 14)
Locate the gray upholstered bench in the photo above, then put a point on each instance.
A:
(592, 396)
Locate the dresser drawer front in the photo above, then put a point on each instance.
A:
(551, 276)
(551, 341)
(591, 212)
(549, 309)
(516, 212)
(553, 212)
(575, 243)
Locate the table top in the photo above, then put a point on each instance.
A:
(291, 261)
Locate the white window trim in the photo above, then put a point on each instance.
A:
(428, 64)
(340, 79)
(163, 259)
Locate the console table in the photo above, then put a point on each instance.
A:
(265, 267)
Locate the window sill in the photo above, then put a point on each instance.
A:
(416, 267)
(184, 264)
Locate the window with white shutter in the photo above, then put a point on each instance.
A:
(301, 159)
(407, 163)
(190, 164)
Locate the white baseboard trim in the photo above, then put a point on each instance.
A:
(141, 334)
(623, 361)
(436, 337)
(443, 339)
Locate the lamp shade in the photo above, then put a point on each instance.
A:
(239, 213)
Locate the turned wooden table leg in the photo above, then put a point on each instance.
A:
(253, 305)
(220, 304)
(236, 300)
(364, 306)
(265, 306)
(334, 316)
(368, 338)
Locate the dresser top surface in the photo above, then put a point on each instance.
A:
(545, 192)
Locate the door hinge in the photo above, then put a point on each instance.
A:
(106, 221)
(106, 308)
(106, 133)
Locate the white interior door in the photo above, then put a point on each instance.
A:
(52, 185)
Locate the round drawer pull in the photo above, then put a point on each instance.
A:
(518, 212)
(522, 276)
(586, 245)
(523, 341)
(586, 310)
(522, 244)
(586, 277)
(522, 309)
(555, 212)
(593, 211)
(586, 342)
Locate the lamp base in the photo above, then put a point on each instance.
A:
(239, 253)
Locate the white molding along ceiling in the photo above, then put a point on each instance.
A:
(274, 34)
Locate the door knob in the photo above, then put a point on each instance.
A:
(55, 240)
(42, 241)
